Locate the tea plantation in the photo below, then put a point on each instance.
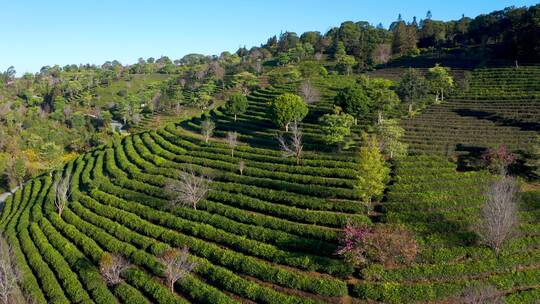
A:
(268, 233)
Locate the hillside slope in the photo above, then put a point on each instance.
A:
(266, 234)
(501, 106)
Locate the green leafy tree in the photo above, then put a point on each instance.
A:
(440, 81)
(353, 101)
(383, 98)
(373, 173)
(336, 128)
(345, 63)
(236, 104)
(412, 87)
(389, 134)
(287, 108)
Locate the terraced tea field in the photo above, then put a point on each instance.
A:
(501, 106)
(441, 205)
(265, 234)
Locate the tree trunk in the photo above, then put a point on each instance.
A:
(380, 119)
(287, 127)
(442, 95)
(232, 152)
(234, 116)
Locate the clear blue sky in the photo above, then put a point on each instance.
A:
(38, 33)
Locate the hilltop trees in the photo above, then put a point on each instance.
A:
(236, 104)
(287, 108)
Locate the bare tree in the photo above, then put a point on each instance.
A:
(177, 264)
(207, 129)
(309, 92)
(9, 274)
(382, 53)
(232, 141)
(499, 212)
(111, 266)
(481, 294)
(189, 189)
(295, 147)
(62, 194)
(241, 166)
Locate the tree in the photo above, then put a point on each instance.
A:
(440, 81)
(412, 87)
(373, 172)
(111, 267)
(241, 167)
(389, 134)
(498, 159)
(498, 216)
(62, 193)
(296, 146)
(335, 128)
(232, 141)
(9, 274)
(189, 188)
(390, 245)
(236, 104)
(353, 101)
(383, 98)
(178, 265)
(207, 129)
(309, 92)
(287, 108)
(479, 293)
(345, 63)
(16, 170)
(381, 54)
(404, 38)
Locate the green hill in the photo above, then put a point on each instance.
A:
(268, 233)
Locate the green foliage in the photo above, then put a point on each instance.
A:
(336, 127)
(236, 104)
(440, 81)
(373, 173)
(353, 101)
(389, 134)
(287, 108)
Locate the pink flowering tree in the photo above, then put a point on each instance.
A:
(497, 160)
(390, 245)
